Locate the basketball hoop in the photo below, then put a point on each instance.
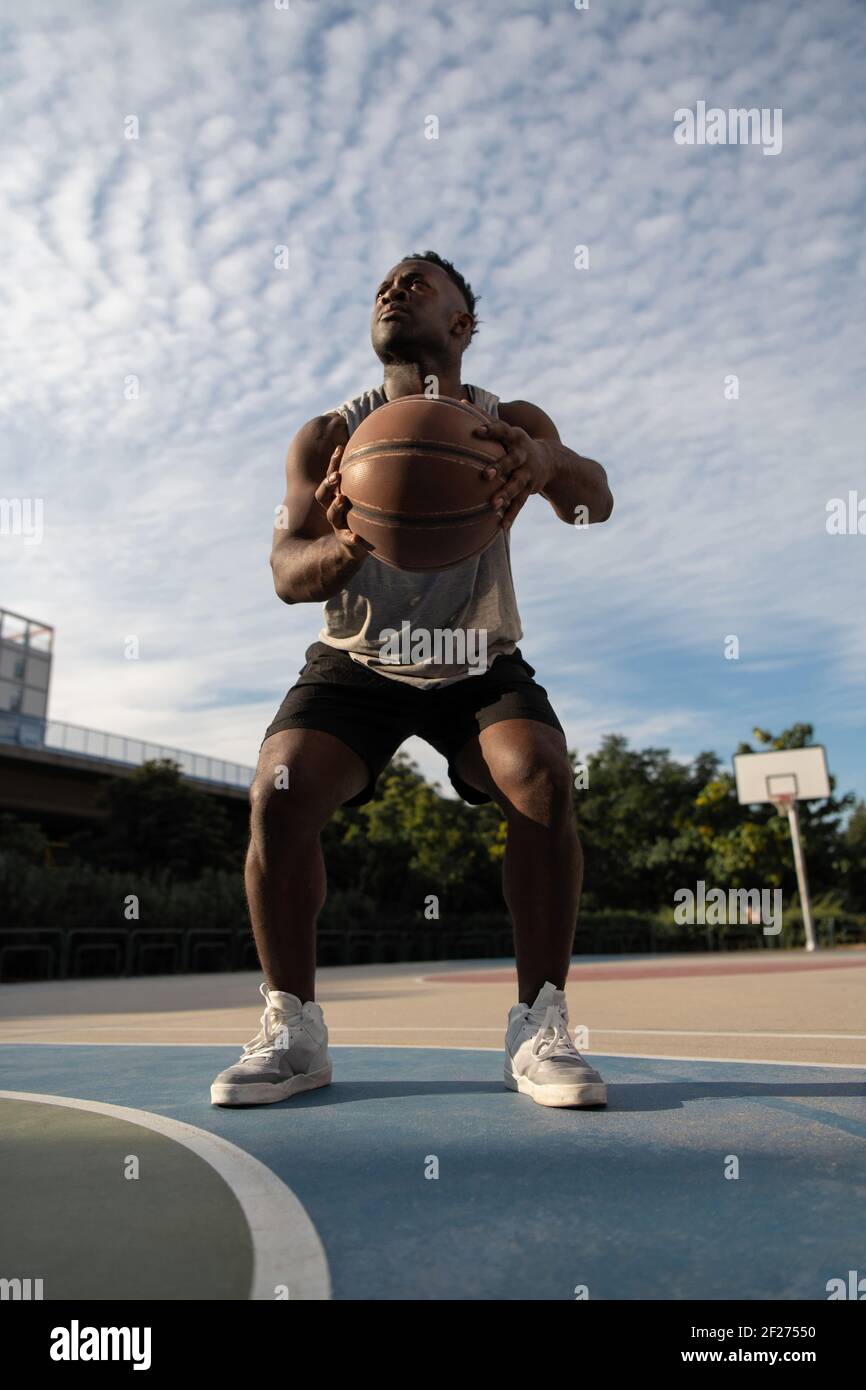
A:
(783, 777)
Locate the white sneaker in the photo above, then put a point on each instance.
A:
(540, 1058)
(288, 1055)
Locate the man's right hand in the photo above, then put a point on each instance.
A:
(336, 507)
(314, 552)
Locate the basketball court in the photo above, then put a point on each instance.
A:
(417, 1175)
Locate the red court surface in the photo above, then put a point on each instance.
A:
(652, 969)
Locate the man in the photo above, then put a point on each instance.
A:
(353, 706)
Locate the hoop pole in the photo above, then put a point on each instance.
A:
(800, 866)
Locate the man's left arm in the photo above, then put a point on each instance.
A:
(536, 460)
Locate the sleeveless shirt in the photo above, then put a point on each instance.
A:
(474, 601)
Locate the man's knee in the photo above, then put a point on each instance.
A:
(275, 805)
(535, 781)
(300, 782)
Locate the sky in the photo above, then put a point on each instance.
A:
(156, 360)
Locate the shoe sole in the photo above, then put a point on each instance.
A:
(269, 1092)
(562, 1097)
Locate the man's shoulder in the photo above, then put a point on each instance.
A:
(515, 412)
(528, 417)
(312, 446)
(326, 431)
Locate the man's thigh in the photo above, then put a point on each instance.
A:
(362, 711)
(506, 698)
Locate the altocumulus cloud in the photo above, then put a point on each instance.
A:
(154, 259)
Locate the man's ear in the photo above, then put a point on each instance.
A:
(462, 327)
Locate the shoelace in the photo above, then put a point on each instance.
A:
(554, 1023)
(274, 1024)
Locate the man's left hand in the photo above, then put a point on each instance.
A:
(525, 468)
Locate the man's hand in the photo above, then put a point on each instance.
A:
(336, 506)
(525, 467)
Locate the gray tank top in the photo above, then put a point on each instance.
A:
(472, 606)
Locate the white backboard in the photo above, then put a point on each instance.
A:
(797, 772)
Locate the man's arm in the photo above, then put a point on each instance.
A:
(576, 487)
(314, 554)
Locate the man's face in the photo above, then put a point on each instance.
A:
(417, 309)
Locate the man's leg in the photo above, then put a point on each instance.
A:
(303, 776)
(522, 765)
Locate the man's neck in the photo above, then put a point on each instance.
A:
(410, 379)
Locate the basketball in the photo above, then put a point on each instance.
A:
(414, 474)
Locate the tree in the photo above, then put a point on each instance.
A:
(853, 860)
(410, 841)
(638, 824)
(649, 823)
(160, 824)
(23, 838)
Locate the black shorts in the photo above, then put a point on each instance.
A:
(374, 714)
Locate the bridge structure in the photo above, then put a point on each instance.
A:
(53, 772)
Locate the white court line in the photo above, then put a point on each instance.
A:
(636, 1056)
(613, 1032)
(280, 1227)
(711, 1033)
(438, 1028)
(430, 1047)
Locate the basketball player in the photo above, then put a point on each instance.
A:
(350, 710)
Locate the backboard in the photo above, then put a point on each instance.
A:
(788, 773)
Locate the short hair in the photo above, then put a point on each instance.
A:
(455, 277)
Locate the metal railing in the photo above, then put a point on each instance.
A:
(57, 953)
(53, 735)
(53, 953)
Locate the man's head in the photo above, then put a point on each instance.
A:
(432, 311)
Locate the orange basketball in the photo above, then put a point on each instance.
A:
(414, 474)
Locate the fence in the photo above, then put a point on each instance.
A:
(99, 952)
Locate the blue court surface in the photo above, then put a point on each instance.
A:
(631, 1202)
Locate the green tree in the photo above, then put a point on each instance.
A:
(638, 824)
(157, 823)
(409, 841)
(853, 860)
(23, 838)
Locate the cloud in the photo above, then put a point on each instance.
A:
(152, 261)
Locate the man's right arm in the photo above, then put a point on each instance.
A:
(314, 554)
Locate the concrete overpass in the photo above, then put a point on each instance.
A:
(53, 772)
